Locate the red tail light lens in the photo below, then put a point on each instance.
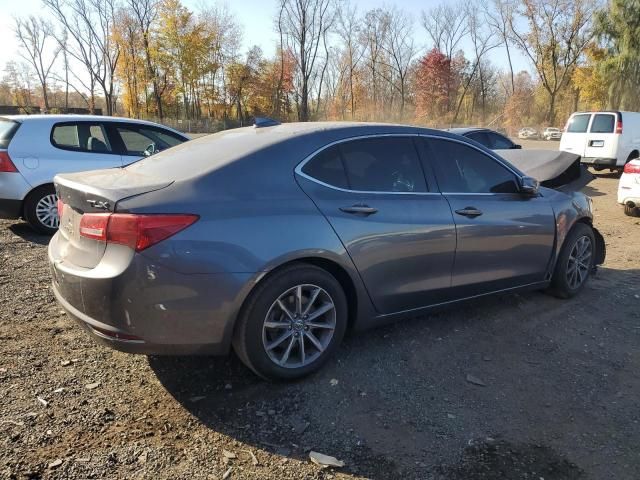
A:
(136, 231)
(6, 165)
(619, 126)
(632, 167)
(59, 207)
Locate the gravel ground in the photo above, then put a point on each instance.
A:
(514, 387)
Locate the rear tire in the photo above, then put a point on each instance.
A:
(292, 323)
(631, 211)
(41, 210)
(575, 263)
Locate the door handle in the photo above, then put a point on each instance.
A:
(469, 212)
(359, 210)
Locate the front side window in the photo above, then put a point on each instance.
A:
(145, 141)
(383, 164)
(579, 123)
(463, 169)
(82, 136)
(603, 123)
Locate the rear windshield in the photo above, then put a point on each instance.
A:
(8, 129)
(579, 123)
(603, 123)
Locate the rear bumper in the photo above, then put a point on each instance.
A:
(10, 208)
(148, 309)
(597, 161)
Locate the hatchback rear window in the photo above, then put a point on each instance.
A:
(8, 129)
(579, 123)
(603, 123)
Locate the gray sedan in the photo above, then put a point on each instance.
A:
(277, 240)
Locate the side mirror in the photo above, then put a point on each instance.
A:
(516, 146)
(529, 186)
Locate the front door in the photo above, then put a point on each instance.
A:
(396, 228)
(504, 238)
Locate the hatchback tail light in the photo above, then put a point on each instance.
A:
(136, 231)
(60, 207)
(632, 167)
(6, 165)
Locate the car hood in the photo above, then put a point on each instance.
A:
(553, 169)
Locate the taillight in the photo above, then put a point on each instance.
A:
(136, 231)
(632, 167)
(6, 165)
(59, 207)
(619, 125)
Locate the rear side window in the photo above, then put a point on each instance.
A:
(480, 137)
(8, 129)
(383, 164)
(603, 123)
(498, 142)
(327, 167)
(82, 137)
(463, 169)
(579, 123)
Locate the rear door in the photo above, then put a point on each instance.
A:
(504, 239)
(75, 147)
(574, 140)
(395, 226)
(602, 141)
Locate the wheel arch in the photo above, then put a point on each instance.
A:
(31, 192)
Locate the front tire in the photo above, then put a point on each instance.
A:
(41, 210)
(575, 262)
(292, 323)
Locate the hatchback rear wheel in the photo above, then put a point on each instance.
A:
(41, 210)
(292, 323)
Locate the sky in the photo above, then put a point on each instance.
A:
(256, 18)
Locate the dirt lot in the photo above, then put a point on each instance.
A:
(559, 397)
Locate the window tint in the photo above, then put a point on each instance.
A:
(385, 164)
(480, 137)
(579, 123)
(603, 123)
(84, 137)
(327, 167)
(463, 169)
(141, 141)
(499, 142)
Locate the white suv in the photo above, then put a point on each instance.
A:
(34, 148)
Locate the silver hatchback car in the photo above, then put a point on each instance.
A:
(276, 240)
(34, 148)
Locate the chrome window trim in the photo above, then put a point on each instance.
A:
(300, 166)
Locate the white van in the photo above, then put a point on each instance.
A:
(603, 139)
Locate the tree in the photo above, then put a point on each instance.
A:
(589, 81)
(349, 30)
(432, 85)
(304, 25)
(35, 37)
(618, 28)
(558, 31)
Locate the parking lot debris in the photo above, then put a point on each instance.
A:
(43, 401)
(334, 382)
(197, 398)
(65, 363)
(325, 460)
(55, 464)
(92, 386)
(227, 474)
(254, 459)
(228, 454)
(475, 380)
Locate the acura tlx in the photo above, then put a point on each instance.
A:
(274, 240)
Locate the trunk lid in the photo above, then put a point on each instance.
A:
(96, 191)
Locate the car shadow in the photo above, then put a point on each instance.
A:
(24, 231)
(393, 393)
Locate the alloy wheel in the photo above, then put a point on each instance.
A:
(299, 326)
(47, 211)
(579, 262)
